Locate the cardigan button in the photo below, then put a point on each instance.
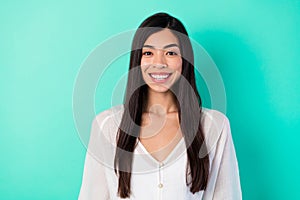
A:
(160, 185)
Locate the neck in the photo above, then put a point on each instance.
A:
(161, 103)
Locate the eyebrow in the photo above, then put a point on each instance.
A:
(165, 47)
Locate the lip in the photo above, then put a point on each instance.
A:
(160, 77)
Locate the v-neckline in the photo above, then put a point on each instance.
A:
(164, 161)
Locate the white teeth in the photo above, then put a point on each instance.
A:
(160, 77)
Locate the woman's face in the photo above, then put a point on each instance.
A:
(161, 62)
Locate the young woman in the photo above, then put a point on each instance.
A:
(161, 144)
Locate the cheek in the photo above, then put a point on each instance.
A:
(176, 64)
(145, 61)
(145, 65)
(144, 72)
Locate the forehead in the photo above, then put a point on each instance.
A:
(161, 39)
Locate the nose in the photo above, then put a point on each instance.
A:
(159, 60)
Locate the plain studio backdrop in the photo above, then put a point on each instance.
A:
(254, 44)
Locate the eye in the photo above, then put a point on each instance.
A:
(171, 53)
(147, 53)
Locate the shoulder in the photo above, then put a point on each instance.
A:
(106, 123)
(111, 116)
(216, 127)
(103, 134)
(214, 118)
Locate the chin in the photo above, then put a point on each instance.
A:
(159, 88)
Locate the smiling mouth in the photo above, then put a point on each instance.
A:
(160, 77)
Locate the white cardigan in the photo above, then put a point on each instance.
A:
(151, 180)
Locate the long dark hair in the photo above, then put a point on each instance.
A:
(188, 103)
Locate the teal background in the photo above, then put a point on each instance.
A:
(255, 44)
